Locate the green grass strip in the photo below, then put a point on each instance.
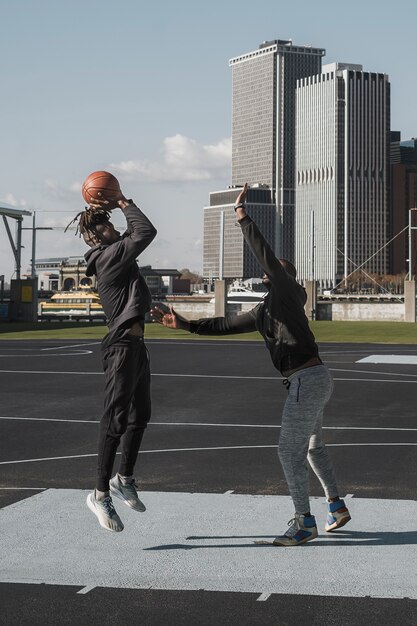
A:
(346, 332)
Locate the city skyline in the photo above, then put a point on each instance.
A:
(147, 94)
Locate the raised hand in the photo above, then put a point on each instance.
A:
(168, 319)
(108, 203)
(242, 196)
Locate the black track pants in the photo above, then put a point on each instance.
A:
(127, 406)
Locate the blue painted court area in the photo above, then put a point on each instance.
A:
(210, 477)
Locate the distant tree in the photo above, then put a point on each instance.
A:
(360, 282)
(192, 276)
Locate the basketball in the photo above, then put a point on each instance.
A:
(102, 182)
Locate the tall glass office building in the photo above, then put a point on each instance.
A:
(263, 125)
(263, 154)
(342, 173)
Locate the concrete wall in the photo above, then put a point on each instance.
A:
(343, 311)
(368, 311)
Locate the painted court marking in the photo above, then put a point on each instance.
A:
(209, 449)
(263, 597)
(211, 376)
(85, 590)
(38, 354)
(204, 424)
(75, 345)
(400, 359)
(193, 541)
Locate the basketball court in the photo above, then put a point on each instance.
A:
(213, 486)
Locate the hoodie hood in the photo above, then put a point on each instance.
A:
(91, 257)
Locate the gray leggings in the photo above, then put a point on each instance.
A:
(301, 435)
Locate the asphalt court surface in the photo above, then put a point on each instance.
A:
(214, 433)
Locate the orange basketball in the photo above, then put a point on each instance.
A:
(100, 182)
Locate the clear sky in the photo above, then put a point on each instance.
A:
(143, 89)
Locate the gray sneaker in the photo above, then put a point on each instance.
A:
(127, 493)
(105, 512)
(302, 528)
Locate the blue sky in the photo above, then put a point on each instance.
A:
(144, 89)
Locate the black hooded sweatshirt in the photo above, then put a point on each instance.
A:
(280, 318)
(123, 292)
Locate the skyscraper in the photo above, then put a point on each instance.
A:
(342, 173)
(263, 154)
(263, 124)
(403, 200)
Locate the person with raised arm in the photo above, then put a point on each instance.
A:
(281, 320)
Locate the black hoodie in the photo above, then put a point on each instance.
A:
(123, 292)
(280, 318)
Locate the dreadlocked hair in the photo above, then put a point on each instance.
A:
(87, 221)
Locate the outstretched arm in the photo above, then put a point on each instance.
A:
(170, 318)
(229, 325)
(256, 241)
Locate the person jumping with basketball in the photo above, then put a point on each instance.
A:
(281, 320)
(126, 299)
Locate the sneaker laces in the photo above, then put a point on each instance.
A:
(294, 527)
(130, 487)
(107, 504)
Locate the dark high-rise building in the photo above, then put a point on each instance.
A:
(263, 124)
(403, 200)
(343, 177)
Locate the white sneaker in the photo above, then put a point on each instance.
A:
(105, 512)
(127, 493)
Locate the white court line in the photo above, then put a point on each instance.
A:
(49, 372)
(263, 597)
(278, 378)
(383, 347)
(15, 356)
(75, 345)
(204, 342)
(338, 445)
(335, 369)
(274, 378)
(209, 424)
(205, 424)
(23, 488)
(84, 456)
(391, 359)
(373, 380)
(86, 589)
(50, 419)
(374, 348)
